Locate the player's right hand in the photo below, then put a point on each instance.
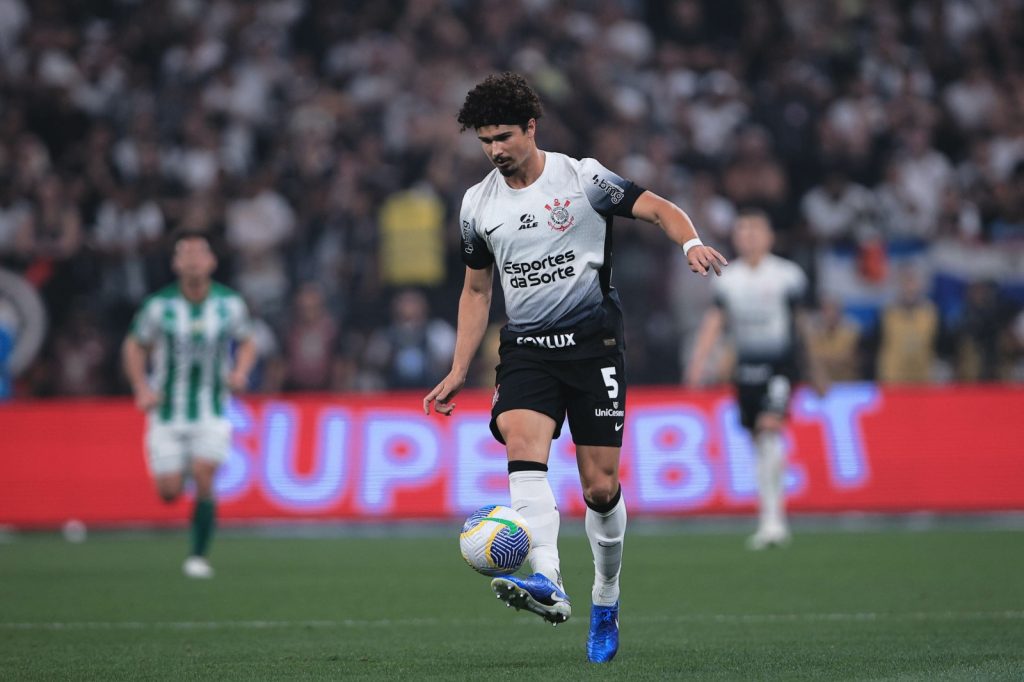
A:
(146, 398)
(443, 393)
(704, 259)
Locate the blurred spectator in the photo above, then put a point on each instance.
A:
(755, 178)
(1016, 347)
(978, 334)
(909, 330)
(80, 355)
(8, 338)
(412, 238)
(839, 210)
(311, 343)
(835, 342)
(1010, 197)
(127, 229)
(414, 350)
(921, 176)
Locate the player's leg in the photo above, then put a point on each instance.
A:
(605, 520)
(772, 529)
(209, 445)
(527, 435)
(596, 413)
(165, 456)
(606, 530)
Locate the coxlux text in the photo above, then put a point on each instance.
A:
(381, 463)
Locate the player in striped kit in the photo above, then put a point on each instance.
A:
(187, 330)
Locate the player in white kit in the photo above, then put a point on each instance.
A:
(544, 221)
(188, 329)
(760, 300)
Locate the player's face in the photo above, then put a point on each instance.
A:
(507, 146)
(752, 237)
(193, 259)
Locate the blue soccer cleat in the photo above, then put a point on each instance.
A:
(537, 594)
(603, 639)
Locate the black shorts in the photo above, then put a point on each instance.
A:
(762, 388)
(590, 391)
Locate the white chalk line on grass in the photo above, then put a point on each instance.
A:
(729, 618)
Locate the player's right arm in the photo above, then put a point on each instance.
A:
(474, 309)
(133, 356)
(707, 336)
(135, 351)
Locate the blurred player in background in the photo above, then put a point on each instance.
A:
(760, 300)
(545, 220)
(188, 330)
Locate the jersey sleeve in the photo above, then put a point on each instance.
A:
(798, 290)
(475, 252)
(146, 323)
(609, 193)
(240, 324)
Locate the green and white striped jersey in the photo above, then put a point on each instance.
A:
(191, 346)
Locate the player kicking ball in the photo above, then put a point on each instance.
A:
(544, 220)
(187, 330)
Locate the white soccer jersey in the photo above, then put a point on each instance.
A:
(551, 241)
(191, 344)
(758, 303)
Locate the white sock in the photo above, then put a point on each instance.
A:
(532, 497)
(770, 470)
(606, 531)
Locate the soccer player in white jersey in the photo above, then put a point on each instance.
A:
(760, 300)
(544, 221)
(188, 330)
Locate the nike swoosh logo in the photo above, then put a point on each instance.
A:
(618, 427)
(608, 544)
(486, 231)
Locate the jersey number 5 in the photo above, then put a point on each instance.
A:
(608, 374)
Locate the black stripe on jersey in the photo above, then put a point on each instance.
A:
(475, 253)
(604, 275)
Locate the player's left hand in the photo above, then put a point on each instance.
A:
(703, 259)
(443, 393)
(238, 381)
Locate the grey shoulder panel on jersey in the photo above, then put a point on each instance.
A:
(609, 193)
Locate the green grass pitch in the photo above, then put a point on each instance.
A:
(884, 605)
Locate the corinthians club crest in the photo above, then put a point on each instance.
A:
(560, 218)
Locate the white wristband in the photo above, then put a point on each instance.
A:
(690, 244)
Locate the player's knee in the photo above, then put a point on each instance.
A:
(521, 448)
(601, 493)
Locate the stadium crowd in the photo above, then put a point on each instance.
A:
(316, 141)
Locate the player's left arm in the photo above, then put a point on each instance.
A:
(679, 228)
(246, 352)
(245, 359)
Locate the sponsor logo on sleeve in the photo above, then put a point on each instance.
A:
(614, 192)
(467, 236)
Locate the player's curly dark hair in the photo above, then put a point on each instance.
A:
(500, 100)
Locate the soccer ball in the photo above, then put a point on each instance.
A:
(495, 540)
